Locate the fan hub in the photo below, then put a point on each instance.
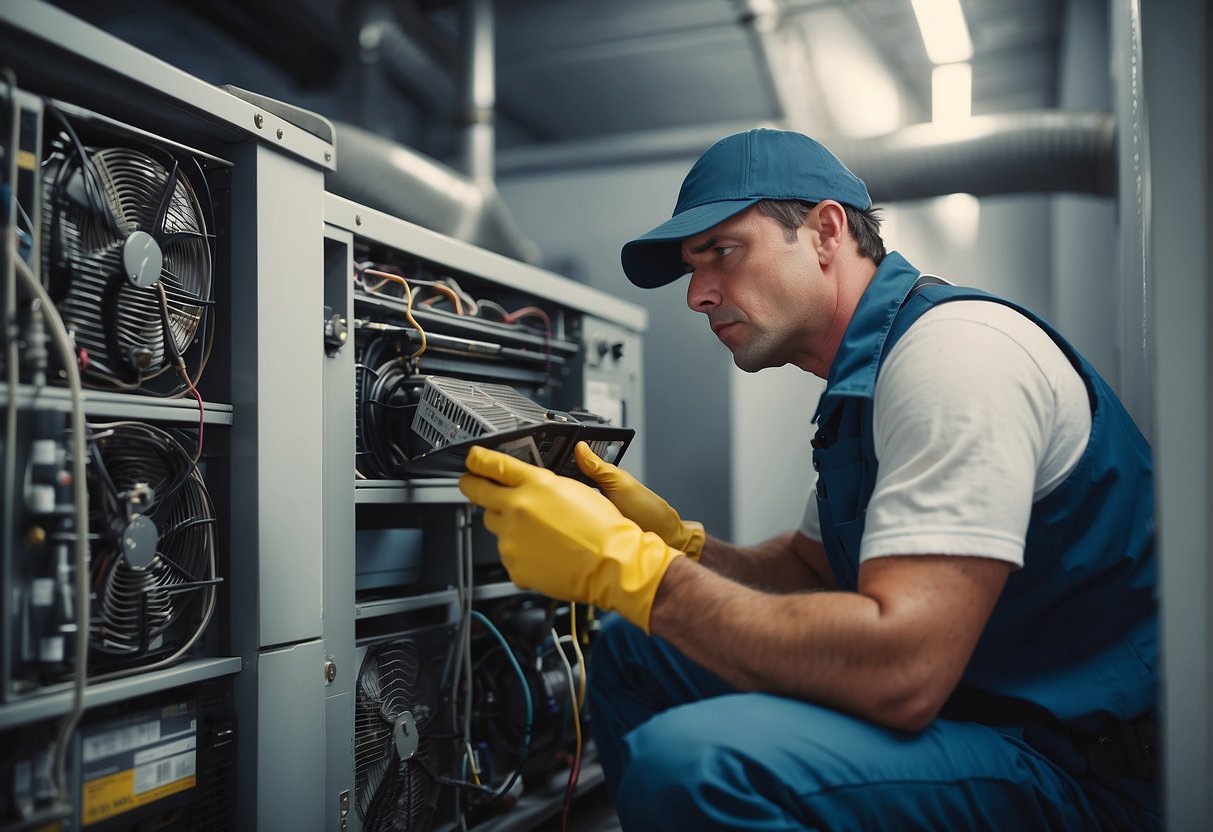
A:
(404, 732)
(142, 259)
(137, 541)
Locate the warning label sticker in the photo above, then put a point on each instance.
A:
(137, 760)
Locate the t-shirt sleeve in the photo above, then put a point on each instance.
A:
(961, 417)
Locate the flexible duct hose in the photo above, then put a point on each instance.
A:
(1037, 152)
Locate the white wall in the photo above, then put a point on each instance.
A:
(580, 220)
(1086, 268)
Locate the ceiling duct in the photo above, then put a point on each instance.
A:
(1028, 152)
(385, 175)
(1038, 152)
(382, 174)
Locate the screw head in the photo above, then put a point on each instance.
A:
(258, 120)
(279, 132)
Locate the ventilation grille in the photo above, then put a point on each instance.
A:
(453, 410)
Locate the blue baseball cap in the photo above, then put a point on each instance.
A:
(736, 172)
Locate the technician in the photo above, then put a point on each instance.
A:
(962, 634)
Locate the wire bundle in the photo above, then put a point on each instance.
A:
(386, 397)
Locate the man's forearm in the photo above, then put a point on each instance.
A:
(774, 643)
(891, 652)
(772, 565)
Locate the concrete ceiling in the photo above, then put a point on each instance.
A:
(576, 71)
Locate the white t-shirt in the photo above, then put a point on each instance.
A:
(977, 414)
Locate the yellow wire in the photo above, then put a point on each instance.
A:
(408, 308)
(472, 763)
(580, 657)
(576, 702)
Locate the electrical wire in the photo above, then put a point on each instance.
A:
(573, 695)
(67, 356)
(580, 657)
(525, 748)
(518, 315)
(463, 591)
(389, 274)
(179, 365)
(10, 326)
(408, 309)
(381, 438)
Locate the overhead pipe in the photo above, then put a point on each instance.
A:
(382, 174)
(1030, 152)
(1047, 151)
(479, 91)
(784, 62)
(385, 42)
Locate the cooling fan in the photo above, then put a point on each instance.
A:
(153, 566)
(397, 757)
(121, 224)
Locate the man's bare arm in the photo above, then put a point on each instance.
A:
(789, 562)
(891, 652)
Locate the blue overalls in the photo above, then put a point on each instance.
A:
(1070, 646)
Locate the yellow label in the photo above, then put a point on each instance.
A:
(26, 160)
(115, 794)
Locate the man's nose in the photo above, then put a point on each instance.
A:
(702, 293)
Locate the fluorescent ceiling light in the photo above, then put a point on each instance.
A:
(944, 32)
(951, 93)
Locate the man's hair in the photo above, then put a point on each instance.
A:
(864, 225)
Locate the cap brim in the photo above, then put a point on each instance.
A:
(655, 258)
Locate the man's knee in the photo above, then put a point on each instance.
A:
(685, 770)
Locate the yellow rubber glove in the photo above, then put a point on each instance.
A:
(639, 504)
(562, 538)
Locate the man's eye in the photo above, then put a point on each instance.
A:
(724, 251)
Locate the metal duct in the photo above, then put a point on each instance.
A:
(1038, 152)
(1028, 152)
(387, 176)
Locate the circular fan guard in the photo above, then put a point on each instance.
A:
(391, 792)
(92, 212)
(136, 606)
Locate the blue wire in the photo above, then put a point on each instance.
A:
(526, 692)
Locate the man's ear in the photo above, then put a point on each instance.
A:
(830, 222)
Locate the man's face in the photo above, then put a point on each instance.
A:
(766, 299)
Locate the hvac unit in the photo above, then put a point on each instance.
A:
(164, 762)
(404, 740)
(126, 249)
(153, 564)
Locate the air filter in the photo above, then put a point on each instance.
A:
(455, 414)
(453, 410)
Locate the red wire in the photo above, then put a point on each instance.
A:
(568, 794)
(513, 317)
(201, 411)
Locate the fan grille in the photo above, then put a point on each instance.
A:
(136, 606)
(453, 410)
(393, 793)
(90, 212)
